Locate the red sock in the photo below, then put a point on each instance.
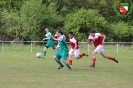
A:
(81, 55)
(70, 62)
(93, 61)
(111, 58)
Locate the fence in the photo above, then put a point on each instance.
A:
(115, 44)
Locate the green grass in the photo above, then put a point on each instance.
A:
(21, 69)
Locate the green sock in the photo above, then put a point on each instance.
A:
(59, 62)
(68, 65)
(44, 53)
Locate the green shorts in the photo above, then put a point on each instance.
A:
(50, 45)
(61, 55)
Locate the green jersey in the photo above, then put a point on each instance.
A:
(50, 41)
(49, 35)
(63, 49)
(62, 44)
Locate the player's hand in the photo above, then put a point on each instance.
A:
(53, 37)
(102, 42)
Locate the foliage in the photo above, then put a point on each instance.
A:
(122, 32)
(26, 19)
(9, 25)
(35, 17)
(83, 20)
(30, 22)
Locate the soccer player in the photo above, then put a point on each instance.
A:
(62, 52)
(50, 41)
(74, 48)
(98, 40)
(55, 36)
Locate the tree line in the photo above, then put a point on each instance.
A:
(27, 19)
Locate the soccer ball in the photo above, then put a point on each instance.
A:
(38, 55)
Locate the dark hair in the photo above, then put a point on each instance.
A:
(59, 31)
(92, 31)
(71, 33)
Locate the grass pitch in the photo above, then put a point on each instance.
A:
(21, 69)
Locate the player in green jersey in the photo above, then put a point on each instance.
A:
(50, 41)
(62, 52)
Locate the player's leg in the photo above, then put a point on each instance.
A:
(64, 59)
(70, 59)
(97, 50)
(78, 55)
(94, 58)
(44, 52)
(57, 58)
(70, 56)
(108, 57)
(101, 51)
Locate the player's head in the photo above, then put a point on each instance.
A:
(92, 32)
(70, 35)
(59, 33)
(46, 30)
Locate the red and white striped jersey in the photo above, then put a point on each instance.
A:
(73, 42)
(97, 39)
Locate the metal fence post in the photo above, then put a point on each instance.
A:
(31, 47)
(2, 46)
(88, 48)
(117, 48)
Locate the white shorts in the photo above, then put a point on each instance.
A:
(76, 52)
(99, 49)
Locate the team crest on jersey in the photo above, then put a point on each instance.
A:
(123, 8)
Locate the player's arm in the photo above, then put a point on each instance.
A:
(75, 42)
(89, 40)
(75, 47)
(56, 39)
(104, 37)
(46, 38)
(57, 48)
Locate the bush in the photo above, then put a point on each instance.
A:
(82, 21)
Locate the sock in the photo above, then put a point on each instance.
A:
(70, 62)
(58, 61)
(44, 53)
(68, 65)
(111, 58)
(81, 55)
(93, 61)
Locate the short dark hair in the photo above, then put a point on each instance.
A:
(59, 31)
(71, 33)
(92, 31)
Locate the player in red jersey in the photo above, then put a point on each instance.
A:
(98, 40)
(74, 48)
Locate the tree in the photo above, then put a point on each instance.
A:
(35, 17)
(9, 25)
(81, 21)
(11, 4)
(122, 32)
